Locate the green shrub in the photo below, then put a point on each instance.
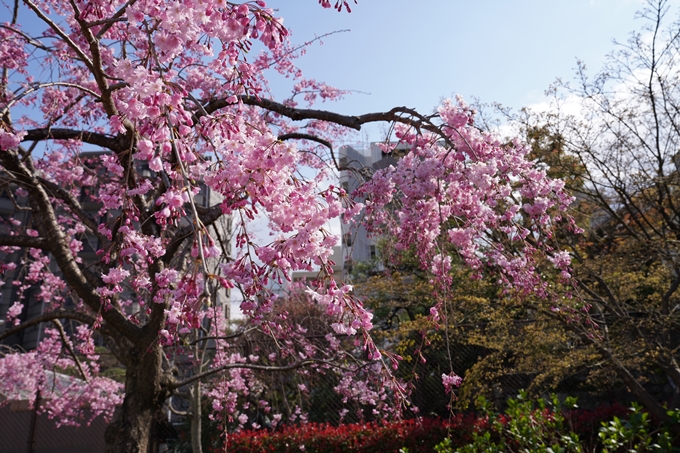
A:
(528, 426)
(635, 434)
(547, 426)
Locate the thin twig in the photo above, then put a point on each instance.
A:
(69, 347)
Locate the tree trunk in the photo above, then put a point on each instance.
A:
(144, 397)
(634, 385)
(196, 418)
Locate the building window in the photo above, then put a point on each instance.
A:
(372, 251)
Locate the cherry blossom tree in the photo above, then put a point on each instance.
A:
(174, 100)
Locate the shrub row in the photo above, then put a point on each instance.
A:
(424, 434)
(418, 435)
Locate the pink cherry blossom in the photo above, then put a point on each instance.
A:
(450, 381)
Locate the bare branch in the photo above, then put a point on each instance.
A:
(48, 317)
(306, 44)
(113, 19)
(15, 12)
(69, 348)
(313, 138)
(37, 86)
(665, 300)
(28, 39)
(116, 144)
(231, 366)
(402, 115)
(222, 337)
(75, 207)
(634, 384)
(60, 32)
(23, 241)
(207, 217)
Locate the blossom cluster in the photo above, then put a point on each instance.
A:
(460, 188)
(70, 400)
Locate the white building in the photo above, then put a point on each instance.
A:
(356, 167)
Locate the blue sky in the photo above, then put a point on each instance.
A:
(413, 53)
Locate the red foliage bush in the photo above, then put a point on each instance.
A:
(418, 435)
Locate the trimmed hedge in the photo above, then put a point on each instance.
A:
(413, 435)
(418, 435)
